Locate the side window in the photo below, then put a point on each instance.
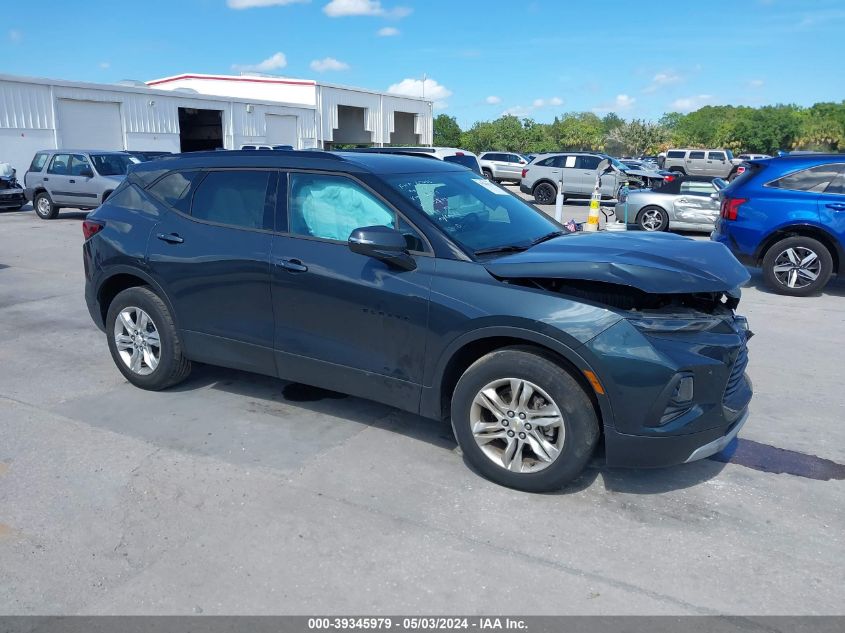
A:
(675, 154)
(563, 161)
(513, 158)
(587, 162)
(838, 185)
(547, 162)
(694, 188)
(177, 188)
(716, 156)
(78, 164)
(59, 165)
(331, 207)
(816, 179)
(696, 155)
(38, 161)
(237, 198)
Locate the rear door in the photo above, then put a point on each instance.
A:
(696, 163)
(57, 180)
(832, 206)
(718, 165)
(79, 184)
(212, 254)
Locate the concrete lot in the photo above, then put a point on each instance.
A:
(223, 496)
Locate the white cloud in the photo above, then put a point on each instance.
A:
(15, 36)
(688, 104)
(493, 100)
(104, 65)
(756, 83)
(328, 63)
(523, 111)
(414, 88)
(343, 8)
(388, 31)
(620, 104)
(274, 62)
(251, 4)
(539, 103)
(518, 111)
(666, 78)
(555, 101)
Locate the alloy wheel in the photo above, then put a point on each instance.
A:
(517, 425)
(137, 340)
(797, 267)
(651, 220)
(43, 206)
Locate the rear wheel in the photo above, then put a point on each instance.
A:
(143, 340)
(544, 193)
(44, 207)
(523, 421)
(653, 219)
(797, 266)
(487, 174)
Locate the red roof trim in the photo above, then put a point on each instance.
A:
(259, 80)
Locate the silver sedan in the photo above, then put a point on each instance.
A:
(686, 203)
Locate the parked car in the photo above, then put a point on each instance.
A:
(11, 193)
(499, 166)
(447, 154)
(714, 163)
(254, 146)
(787, 215)
(685, 203)
(422, 285)
(81, 179)
(148, 155)
(579, 170)
(738, 160)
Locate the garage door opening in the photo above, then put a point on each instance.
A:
(200, 129)
(350, 128)
(403, 129)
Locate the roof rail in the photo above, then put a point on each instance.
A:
(394, 150)
(306, 153)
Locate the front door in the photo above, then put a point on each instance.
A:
(78, 183)
(57, 180)
(345, 321)
(212, 253)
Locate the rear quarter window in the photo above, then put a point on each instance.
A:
(38, 161)
(177, 188)
(675, 154)
(814, 180)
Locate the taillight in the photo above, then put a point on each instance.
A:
(91, 227)
(524, 171)
(730, 206)
(668, 179)
(740, 170)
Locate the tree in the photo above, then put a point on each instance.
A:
(635, 138)
(447, 132)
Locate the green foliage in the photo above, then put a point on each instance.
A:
(447, 132)
(739, 128)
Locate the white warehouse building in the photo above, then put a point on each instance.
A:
(196, 112)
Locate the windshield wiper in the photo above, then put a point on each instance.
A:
(547, 237)
(504, 248)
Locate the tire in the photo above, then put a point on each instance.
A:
(544, 193)
(786, 262)
(679, 170)
(575, 437)
(487, 174)
(171, 366)
(653, 219)
(44, 207)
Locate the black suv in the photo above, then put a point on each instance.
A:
(422, 285)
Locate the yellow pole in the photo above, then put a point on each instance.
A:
(593, 218)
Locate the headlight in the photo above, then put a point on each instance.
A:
(676, 325)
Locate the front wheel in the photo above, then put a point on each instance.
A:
(797, 266)
(143, 340)
(523, 421)
(544, 193)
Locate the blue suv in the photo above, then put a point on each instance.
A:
(787, 215)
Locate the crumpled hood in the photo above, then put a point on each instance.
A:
(652, 262)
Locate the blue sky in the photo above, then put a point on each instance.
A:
(533, 58)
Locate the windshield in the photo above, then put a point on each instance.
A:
(474, 212)
(618, 164)
(112, 164)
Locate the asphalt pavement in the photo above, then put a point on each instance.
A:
(239, 494)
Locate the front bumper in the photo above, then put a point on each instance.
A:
(12, 198)
(651, 425)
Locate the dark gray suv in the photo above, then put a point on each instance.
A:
(420, 284)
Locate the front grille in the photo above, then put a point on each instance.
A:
(735, 380)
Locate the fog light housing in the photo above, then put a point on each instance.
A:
(684, 390)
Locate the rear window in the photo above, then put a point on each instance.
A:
(236, 198)
(675, 154)
(696, 155)
(465, 160)
(38, 161)
(815, 180)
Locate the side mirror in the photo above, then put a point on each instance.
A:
(382, 243)
(714, 196)
(87, 173)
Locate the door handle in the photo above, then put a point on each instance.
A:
(291, 264)
(72, 180)
(45, 179)
(682, 200)
(836, 206)
(170, 238)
